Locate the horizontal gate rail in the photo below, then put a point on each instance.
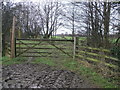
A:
(27, 43)
(40, 52)
(37, 56)
(46, 40)
(37, 48)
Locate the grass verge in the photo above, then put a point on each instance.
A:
(9, 61)
(74, 66)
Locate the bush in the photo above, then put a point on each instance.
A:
(116, 51)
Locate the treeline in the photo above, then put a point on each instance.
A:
(42, 20)
(100, 20)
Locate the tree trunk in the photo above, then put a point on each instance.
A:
(106, 13)
(1, 31)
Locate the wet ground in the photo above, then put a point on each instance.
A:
(28, 75)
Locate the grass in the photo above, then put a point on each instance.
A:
(74, 66)
(69, 37)
(82, 38)
(47, 61)
(113, 40)
(60, 37)
(9, 61)
(89, 73)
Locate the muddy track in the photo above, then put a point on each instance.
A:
(29, 75)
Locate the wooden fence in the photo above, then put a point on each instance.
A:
(8, 49)
(98, 58)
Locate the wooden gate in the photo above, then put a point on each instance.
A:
(44, 48)
(41, 47)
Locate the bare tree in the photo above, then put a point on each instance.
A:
(72, 17)
(49, 15)
(106, 14)
(98, 22)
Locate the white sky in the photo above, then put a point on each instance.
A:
(37, 0)
(63, 0)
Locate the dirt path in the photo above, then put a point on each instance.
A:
(29, 75)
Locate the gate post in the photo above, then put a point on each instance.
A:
(74, 48)
(76, 43)
(13, 39)
(1, 47)
(15, 48)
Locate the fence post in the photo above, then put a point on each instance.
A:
(15, 48)
(74, 48)
(77, 43)
(1, 47)
(13, 39)
(19, 46)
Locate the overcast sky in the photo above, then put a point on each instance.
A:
(61, 0)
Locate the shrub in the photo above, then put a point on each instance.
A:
(116, 51)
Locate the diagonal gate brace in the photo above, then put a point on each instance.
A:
(60, 49)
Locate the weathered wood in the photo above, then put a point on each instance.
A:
(60, 49)
(45, 39)
(40, 52)
(19, 48)
(77, 44)
(98, 61)
(15, 47)
(8, 53)
(37, 48)
(74, 48)
(29, 44)
(13, 39)
(37, 56)
(8, 44)
(8, 49)
(98, 49)
(28, 49)
(98, 55)
(1, 30)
